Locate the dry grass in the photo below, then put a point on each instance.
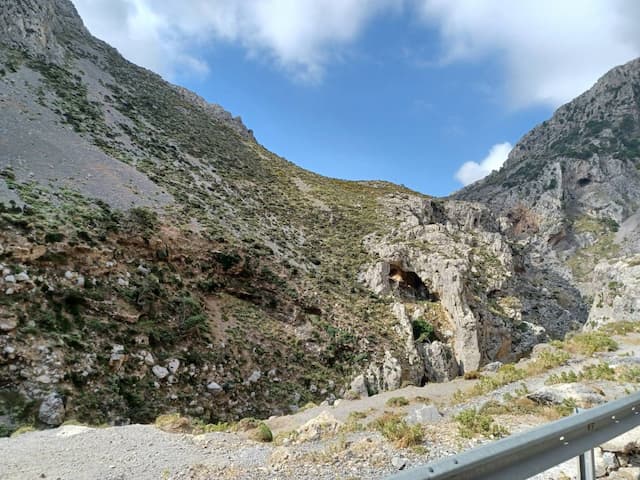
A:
(395, 429)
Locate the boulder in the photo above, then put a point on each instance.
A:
(321, 426)
(585, 396)
(421, 414)
(440, 364)
(491, 367)
(359, 386)
(52, 410)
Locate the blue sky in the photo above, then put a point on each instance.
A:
(400, 90)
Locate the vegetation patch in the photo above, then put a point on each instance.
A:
(397, 402)
(588, 343)
(394, 428)
(473, 423)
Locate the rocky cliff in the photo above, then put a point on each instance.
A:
(571, 190)
(156, 258)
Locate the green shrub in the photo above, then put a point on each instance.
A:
(505, 375)
(562, 377)
(397, 402)
(423, 331)
(546, 360)
(620, 328)
(588, 343)
(395, 429)
(600, 371)
(472, 423)
(262, 433)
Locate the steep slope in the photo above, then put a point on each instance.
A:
(571, 189)
(155, 257)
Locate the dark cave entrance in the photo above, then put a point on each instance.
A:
(409, 285)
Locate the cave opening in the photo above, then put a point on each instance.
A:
(583, 182)
(409, 285)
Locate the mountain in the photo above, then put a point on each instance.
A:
(571, 189)
(155, 257)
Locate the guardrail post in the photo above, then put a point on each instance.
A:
(586, 462)
(587, 466)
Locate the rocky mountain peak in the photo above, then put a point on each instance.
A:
(581, 162)
(40, 27)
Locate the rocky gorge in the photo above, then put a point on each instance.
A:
(156, 259)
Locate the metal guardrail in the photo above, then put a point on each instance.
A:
(525, 454)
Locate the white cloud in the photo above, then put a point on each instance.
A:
(470, 172)
(551, 50)
(299, 36)
(548, 51)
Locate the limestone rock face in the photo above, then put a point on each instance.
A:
(616, 292)
(449, 263)
(34, 25)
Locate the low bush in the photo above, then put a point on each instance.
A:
(472, 423)
(395, 429)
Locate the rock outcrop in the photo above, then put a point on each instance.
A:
(450, 263)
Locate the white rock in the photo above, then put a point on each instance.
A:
(22, 277)
(323, 425)
(80, 281)
(10, 279)
(625, 473)
(254, 377)
(421, 414)
(160, 372)
(359, 386)
(8, 324)
(149, 360)
(46, 379)
(69, 275)
(122, 282)
(173, 365)
(399, 462)
(214, 388)
(143, 270)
